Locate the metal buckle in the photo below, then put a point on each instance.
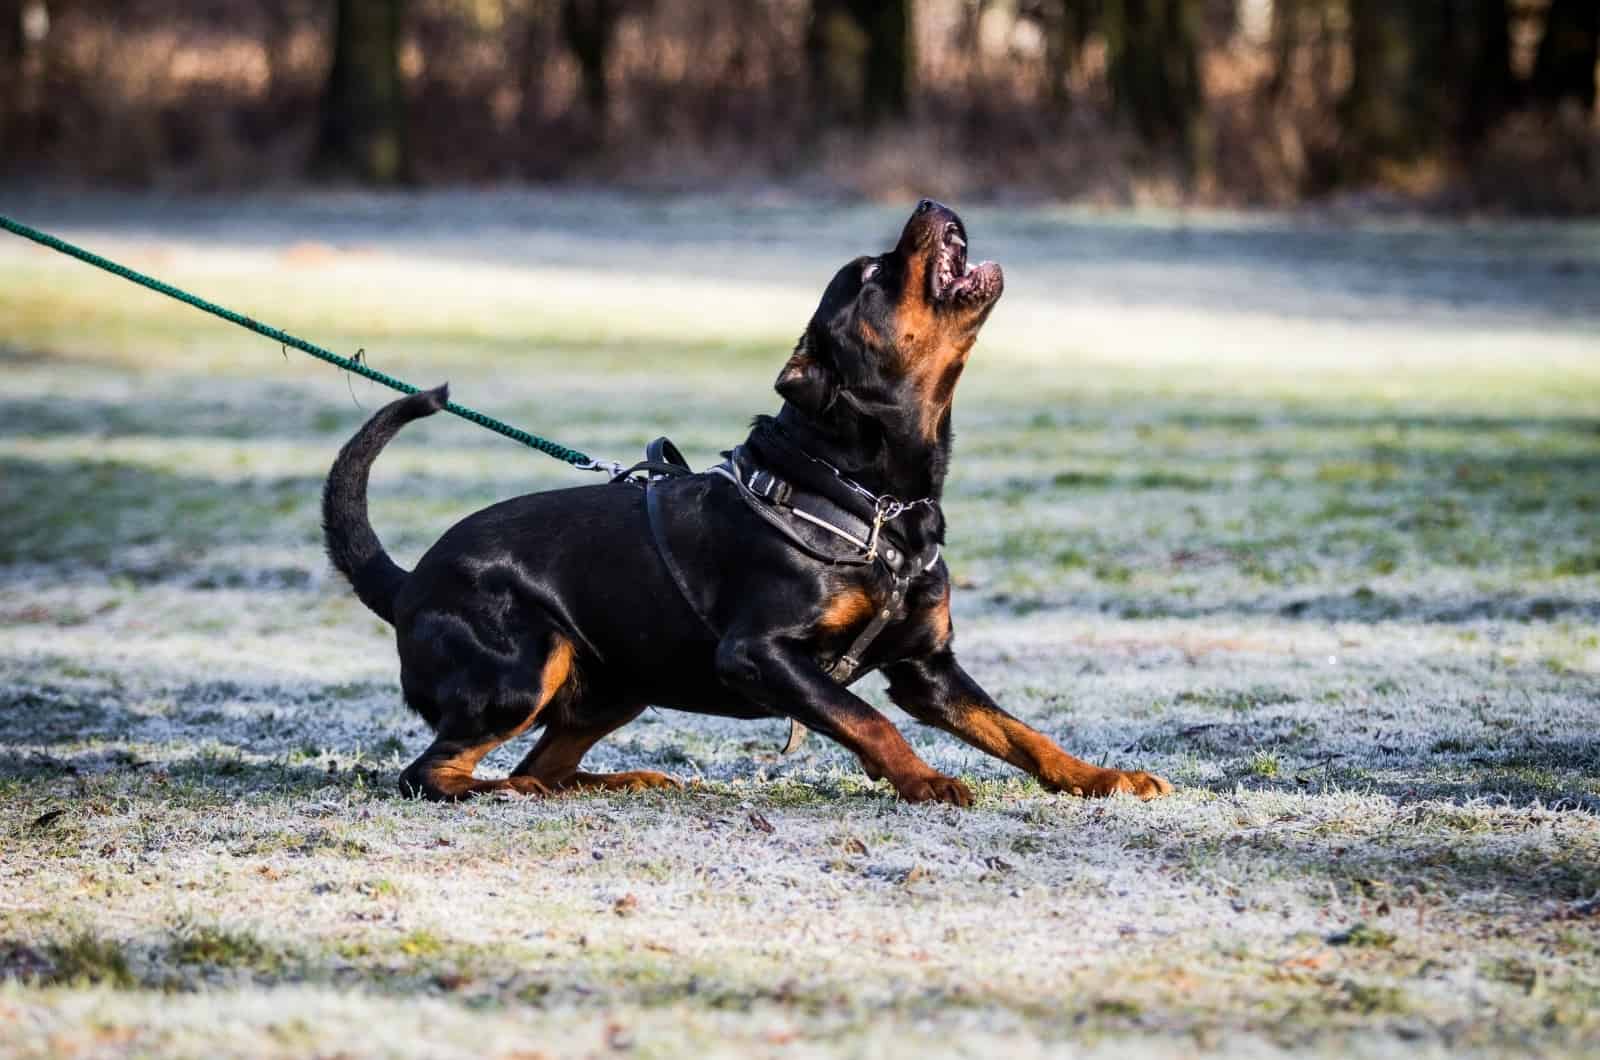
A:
(769, 487)
(610, 467)
(843, 668)
(884, 509)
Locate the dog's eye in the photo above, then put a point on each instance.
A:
(869, 270)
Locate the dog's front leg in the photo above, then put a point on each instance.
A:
(789, 682)
(937, 691)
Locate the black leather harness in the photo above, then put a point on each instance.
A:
(785, 507)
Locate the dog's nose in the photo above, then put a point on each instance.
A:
(925, 205)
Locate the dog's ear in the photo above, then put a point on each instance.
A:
(806, 382)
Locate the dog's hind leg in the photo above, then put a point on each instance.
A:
(554, 760)
(444, 771)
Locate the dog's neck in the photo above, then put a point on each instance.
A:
(874, 454)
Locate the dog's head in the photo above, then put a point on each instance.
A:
(893, 332)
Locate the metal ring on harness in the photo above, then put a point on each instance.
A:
(661, 460)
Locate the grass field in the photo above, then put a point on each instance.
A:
(1306, 519)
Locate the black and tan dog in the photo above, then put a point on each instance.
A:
(759, 589)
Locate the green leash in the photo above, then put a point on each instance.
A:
(579, 460)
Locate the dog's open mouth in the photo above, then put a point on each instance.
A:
(954, 281)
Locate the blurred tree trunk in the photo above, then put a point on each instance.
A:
(890, 58)
(1286, 15)
(1303, 36)
(1222, 19)
(1483, 40)
(16, 96)
(1153, 55)
(363, 133)
(1392, 109)
(532, 60)
(1430, 77)
(11, 39)
(1564, 66)
(860, 58)
(1065, 25)
(11, 53)
(1376, 113)
(589, 27)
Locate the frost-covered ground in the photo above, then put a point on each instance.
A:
(1305, 518)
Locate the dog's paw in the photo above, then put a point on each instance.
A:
(936, 787)
(1109, 782)
(639, 780)
(644, 780)
(530, 786)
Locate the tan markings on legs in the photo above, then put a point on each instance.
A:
(1003, 736)
(885, 753)
(634, 780)
(444, 773)
(879, 745)
(554, 760)
(444, 770)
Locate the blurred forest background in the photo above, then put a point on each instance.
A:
(1484, 105)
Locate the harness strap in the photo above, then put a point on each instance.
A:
(767, 495)
(775, 519)
(844, 667)
(662, 451)
(661, 460)
(652, 469)
(773, 498)
(658, 537)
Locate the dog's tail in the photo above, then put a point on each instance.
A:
(352, 545)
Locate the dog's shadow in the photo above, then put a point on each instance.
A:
(248, 739)
(268, 738)
(235, 744)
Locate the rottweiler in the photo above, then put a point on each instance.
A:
(760, 588)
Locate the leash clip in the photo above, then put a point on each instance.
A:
(884, 508)
(613, 468)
